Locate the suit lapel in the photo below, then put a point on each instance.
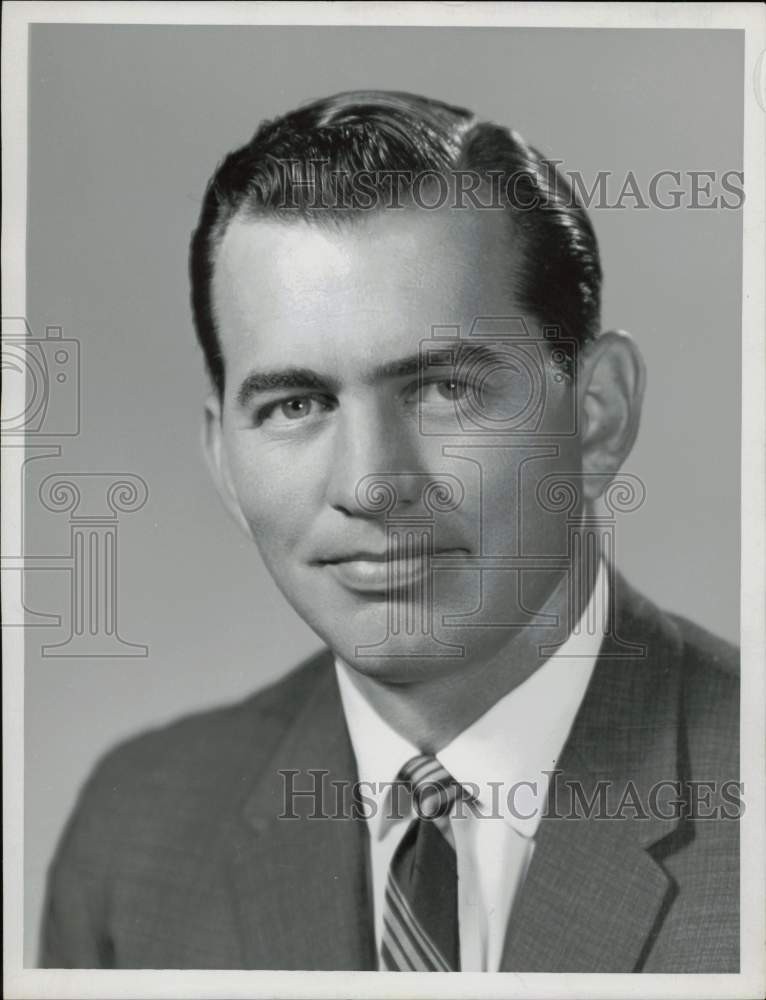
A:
(594, 897)
(301, 884)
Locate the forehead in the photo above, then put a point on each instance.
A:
(341, 293)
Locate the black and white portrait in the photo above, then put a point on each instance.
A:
(375, 433)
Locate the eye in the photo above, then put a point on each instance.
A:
(450, 389)
(296, 409)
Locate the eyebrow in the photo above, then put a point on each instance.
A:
(306, 378)
(287, 378)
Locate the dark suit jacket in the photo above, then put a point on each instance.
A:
(174, 856)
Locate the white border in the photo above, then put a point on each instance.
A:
(33, 983)
(374, 12)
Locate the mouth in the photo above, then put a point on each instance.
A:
(383, 573)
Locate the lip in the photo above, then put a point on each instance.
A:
(376, 573)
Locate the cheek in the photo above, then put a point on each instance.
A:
(276, 493)
(520, 494)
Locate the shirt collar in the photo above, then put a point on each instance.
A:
(510, 749)
(380, 751)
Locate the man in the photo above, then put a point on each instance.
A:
(416, 418)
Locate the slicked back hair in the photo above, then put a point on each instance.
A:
(339, 158)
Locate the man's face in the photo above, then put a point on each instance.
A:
(321, 329)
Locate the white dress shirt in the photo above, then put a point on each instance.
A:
(516, 741)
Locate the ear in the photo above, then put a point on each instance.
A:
(214, 448)
(612, 378)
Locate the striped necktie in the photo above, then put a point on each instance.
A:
(420, 919)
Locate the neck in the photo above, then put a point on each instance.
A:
(431, 712)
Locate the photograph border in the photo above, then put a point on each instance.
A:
(751, 981)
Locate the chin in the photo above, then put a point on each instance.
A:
(385, 640)
(407, 667)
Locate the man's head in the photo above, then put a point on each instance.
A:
(340, 160)
(372, 332)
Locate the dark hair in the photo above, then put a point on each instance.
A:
(305, 164)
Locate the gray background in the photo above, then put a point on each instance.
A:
(126, 124)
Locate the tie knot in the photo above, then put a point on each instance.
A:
(433, 787)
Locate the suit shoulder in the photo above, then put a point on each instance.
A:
(710, 670)
(205, 749)
(708, 652)
(711, 690)
(706, 668)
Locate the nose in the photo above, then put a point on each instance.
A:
(376, 465)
